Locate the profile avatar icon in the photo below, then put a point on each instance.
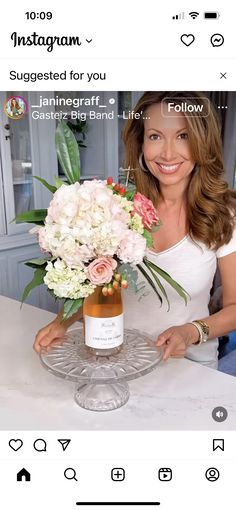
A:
(16, 107)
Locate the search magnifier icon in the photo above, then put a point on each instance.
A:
(70, 474)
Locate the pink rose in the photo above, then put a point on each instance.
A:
(101, 270)
(145, 208)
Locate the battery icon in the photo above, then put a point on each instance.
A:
(211, 15)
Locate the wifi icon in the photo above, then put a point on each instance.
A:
(194, 14)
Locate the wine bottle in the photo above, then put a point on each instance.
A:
(103, 322)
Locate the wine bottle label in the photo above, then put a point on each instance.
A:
(104, 333)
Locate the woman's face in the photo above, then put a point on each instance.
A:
(166, 145)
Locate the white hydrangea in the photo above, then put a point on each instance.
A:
(85, 221)
(132, 248)
(66, 282)
(136, 223)
(127, 205)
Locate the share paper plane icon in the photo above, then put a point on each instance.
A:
(64, 443)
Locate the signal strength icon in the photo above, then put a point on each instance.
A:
(179, 16)
(194, 14)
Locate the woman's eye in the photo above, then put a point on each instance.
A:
(183, 136)
(154, 137)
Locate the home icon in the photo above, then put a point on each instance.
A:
(23, 475)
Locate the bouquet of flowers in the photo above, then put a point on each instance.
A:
(92, 234)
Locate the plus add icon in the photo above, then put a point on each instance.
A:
(117, 474)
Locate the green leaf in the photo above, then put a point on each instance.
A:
(131, 275)
(68, 152)
(158, 282)
(128, 270)
(71, 306)
(36, 216)
(148, 278)
(148, 236)
(37, 280)
(130, 195)
(45, 183)
(59, 182)
(37, 262)
(180, 290)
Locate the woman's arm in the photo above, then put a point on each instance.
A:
(54, 332)
(224, 321)
(177, 339)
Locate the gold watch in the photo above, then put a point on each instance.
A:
(203, 330)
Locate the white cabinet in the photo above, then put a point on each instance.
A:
(18, 275)
(21, 147)
(27, 148)
(3, 276)
(18, 166)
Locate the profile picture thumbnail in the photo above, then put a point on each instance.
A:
(16, 107)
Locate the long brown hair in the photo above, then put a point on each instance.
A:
(211, 204)
(17, 106)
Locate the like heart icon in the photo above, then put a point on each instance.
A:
(15, 444)
(187, 39)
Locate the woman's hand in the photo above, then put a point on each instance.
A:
(177, 339)
(50, 335)
(54, 332)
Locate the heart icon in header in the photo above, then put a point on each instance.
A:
(187, 39)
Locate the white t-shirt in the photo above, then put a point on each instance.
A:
(193, 266)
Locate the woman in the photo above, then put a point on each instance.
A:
(178, 164)
(15, 108)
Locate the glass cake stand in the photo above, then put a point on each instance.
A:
(102, 379)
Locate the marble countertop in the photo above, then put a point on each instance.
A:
(177, 395)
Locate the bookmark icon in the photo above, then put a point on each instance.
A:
(218, 444)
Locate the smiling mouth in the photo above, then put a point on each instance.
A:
(168, 169)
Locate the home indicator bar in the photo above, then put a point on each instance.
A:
(121, 503)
